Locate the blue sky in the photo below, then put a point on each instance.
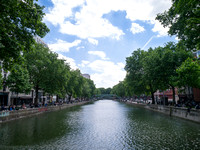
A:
(96, 36)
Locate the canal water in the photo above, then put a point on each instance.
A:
(102, 125)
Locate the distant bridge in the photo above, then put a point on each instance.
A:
(107, 96)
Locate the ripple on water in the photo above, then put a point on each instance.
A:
(105, 125)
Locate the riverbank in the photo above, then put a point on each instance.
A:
(6, 116)
(181, 112)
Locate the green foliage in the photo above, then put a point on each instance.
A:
(119, 89)
(37, 61)
(97, 91)
(88, 88)
(74, 86)
(183, 19)
(56, 75)
(78, 86)
(189, 73)
(136, 77)
(154, 69)
(20, 20)
(104, 91)
(18, 80)
(162, 62)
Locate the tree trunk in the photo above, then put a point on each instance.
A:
(173, 90)
(152, 97)
(43, 101)
(57, 97)
(36, 94)
(152, 94)
(70, 96)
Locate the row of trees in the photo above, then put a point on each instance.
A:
(160, 68)
(103, 91)
(42, 70)
(32, 65)
(170, 66)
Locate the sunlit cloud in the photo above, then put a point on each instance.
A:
(63, 46)
(89, 22)
(100, 54)
(107, 73)
(93, 41)
(136, 28)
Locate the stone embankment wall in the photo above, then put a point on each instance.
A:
(193, 114)
(6, 116)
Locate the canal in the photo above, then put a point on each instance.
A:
(102, 125)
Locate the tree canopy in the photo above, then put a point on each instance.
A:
(20, 20)
(189, 73)
(54, 77)
(18, 80)
(183, 19)
(152, 70)
(138, 78)
(119, 89)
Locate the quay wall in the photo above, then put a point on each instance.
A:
(192, 115)
(6, 116)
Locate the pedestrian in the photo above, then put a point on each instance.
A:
(10, 108)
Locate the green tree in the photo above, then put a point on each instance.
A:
(153, 71)
(37, 61)
(88, 88)
(92, 87)
(20, 20)
(56, 76)
(161, 64)
(48, 73)
(18, 80)
(189, 73)
(119, 89)
(105, 91)
(183, 19)
(97, 91)
(171, 59)
(74, 86)
(137, 78)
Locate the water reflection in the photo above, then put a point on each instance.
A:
(103, 125)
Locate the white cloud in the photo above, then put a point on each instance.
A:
(136, 28)
(89, 26)
(62, 9)
(159, 29)
(100, 54)
(83, 63)
(70, 61)
(108, 73)
(89, 22)
(93, 41)
(63, 46)
(80, 47)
